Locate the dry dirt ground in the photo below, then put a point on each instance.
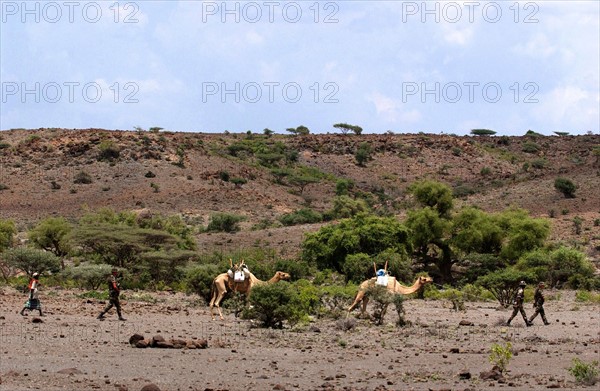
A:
(71, 350)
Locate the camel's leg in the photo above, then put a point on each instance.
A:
(218, 304)
(363, 310)
(357, 300)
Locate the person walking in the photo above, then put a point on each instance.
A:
(518, 304)
(114, 290)
(33, 303)
(538, 304)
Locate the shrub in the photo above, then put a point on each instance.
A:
(344, 206)
(198, 279)
(583, 372)
(398, 301)
(500, 355)
(381, 298)
(565, 186)
(485, 171)
(539, 163)
(108, 151)
(224, 222)
(272, 304)
(3, 187)
(530, 147)
(87, 276)
(358, 267)
(7, 232)
(343, 187)
(363, 154)
(224, 176)
(82, 178)
(302, 216)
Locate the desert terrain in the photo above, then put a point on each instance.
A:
(71, 350)
(68, 349)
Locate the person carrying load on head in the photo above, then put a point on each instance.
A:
(33, 302)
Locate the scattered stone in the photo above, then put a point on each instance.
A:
(493, 374)
(70, 371)
(37, 320)
(150, 387)
(135, 338)
(164, 345)
(466, 323)
(157, 338)
(465, 375)
(454, 350)
(553, 385)
(142, 344)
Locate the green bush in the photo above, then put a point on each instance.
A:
(7, 232)
(358, 267)
(539, 163)
(363, 154)
(88, 276)
(500, 355)
(108, 151)
(302, 216)
(82, 178)
(381, 299)
(562, 266)
(344, 207)
(530, 147)
(565, 186)
(198, 279)
(583, 372)
(343, 187)
(224, 222)
(272, 304)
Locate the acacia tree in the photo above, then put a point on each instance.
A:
(51, 235)
(345, 128)
(31, 260)
(440, 238)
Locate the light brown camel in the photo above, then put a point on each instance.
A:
(393, 286)
(222, 283)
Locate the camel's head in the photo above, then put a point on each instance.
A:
(282, 275)
(425, 280)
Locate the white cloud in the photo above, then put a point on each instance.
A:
(456, 35)
(569, 106)
(538, 46)
(391, 110)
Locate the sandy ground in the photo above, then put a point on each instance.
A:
(428, 355)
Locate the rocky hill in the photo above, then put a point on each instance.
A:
(61, 172)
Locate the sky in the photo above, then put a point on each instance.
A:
(210, 66)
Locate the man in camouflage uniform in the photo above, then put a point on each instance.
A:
(538, 304)
(114, 290)
(518, 304)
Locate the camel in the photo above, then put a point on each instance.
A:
(393, 286)
(223, 281)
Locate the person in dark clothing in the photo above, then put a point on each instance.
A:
(538, 304)
(114, 290)
(518, 304)
(33, 302)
